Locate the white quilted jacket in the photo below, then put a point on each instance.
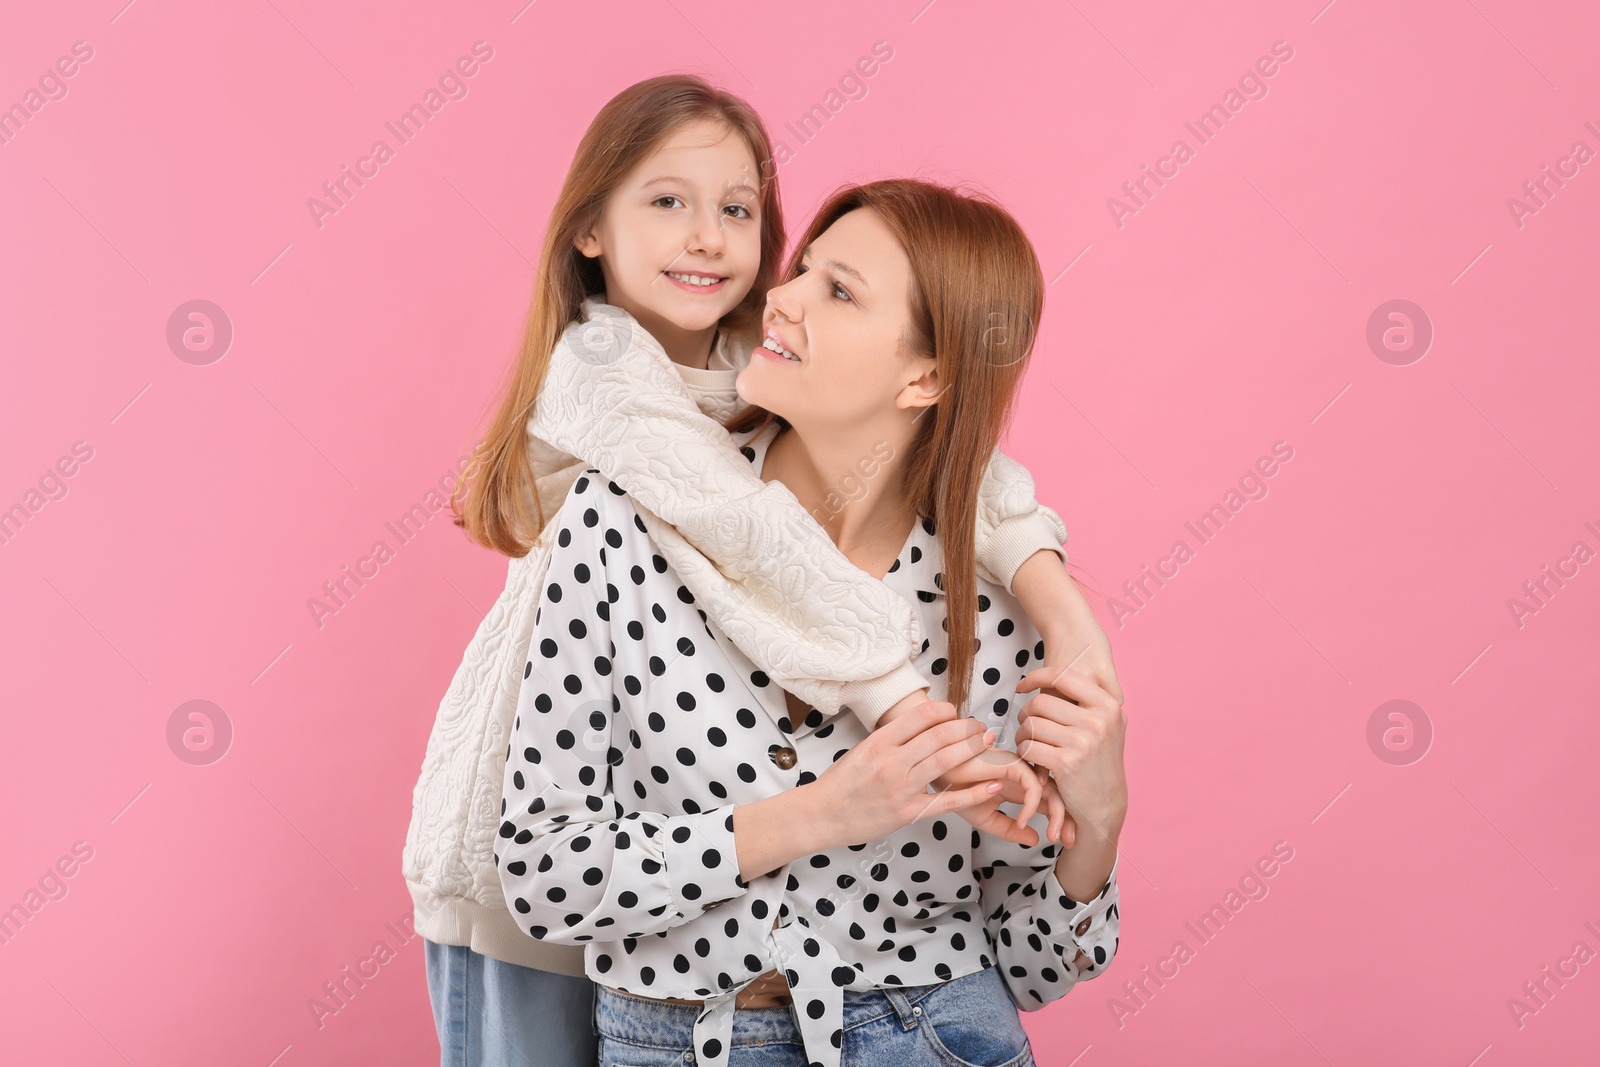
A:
(758, 564)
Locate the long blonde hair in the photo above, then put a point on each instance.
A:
(976, 296)
(493, 500)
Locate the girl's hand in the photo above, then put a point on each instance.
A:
(881, 784)
(1021, 783)
(1075, 729)
(1074, 639)
(1058, 609)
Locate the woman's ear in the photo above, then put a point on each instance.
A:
(922, 391)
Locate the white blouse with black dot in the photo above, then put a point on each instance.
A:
(638, 730)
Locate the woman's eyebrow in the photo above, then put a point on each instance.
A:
(833, 264)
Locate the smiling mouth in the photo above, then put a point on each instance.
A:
(772, 344)
(695, 280)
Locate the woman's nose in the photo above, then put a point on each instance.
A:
(785, 300)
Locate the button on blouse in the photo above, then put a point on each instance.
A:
(640, 727)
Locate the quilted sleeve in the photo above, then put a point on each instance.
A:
(771, 577)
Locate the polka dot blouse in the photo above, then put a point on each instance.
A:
(639, 728)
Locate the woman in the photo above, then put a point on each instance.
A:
(660, 180)
(716, 846)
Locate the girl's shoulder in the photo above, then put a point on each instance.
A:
(602, 332)
(603, 335)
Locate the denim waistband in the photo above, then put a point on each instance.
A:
(642, 1021)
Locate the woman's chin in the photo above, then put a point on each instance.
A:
(753, 390)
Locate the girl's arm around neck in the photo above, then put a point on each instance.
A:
(757, 563)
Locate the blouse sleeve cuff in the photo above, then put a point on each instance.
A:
(1079, 925)
(1014, 541)
(869, 699)
(702, 864)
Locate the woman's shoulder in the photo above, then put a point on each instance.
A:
(918, 574)
(598, 508)
(925, 553)
(593, 497)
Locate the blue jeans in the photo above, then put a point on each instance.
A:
(490, 1013)
(970, 1021)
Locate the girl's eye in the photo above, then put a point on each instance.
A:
(740, 207)
(668, 196)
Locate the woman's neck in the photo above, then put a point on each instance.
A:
(853, 485)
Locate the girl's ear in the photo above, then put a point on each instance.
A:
(588, 243)
(588, 237)
(924, 391)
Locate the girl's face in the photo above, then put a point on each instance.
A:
(842, 320)
(687, 215)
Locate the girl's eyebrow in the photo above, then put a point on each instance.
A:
(684, 181)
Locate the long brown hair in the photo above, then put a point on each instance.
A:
(976, 294)
(497, 502)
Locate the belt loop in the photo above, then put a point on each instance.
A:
(902, 1007)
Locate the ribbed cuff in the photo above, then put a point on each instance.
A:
(1012, 543)
(869, 699)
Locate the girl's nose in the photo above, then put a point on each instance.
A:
(707, 235)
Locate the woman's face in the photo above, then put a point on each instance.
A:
(688, 213)
(842, 320)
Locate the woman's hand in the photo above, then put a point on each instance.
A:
(881, 784)
(1074, 729)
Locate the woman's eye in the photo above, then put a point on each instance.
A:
(669, 196)
(837, 290)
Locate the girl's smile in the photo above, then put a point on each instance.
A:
(696, 282)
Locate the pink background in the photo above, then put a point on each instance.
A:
(1228, 313)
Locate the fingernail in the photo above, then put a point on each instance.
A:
(988, 737)
(992, 786)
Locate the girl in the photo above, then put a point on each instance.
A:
(660, 249)
(689, 841)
